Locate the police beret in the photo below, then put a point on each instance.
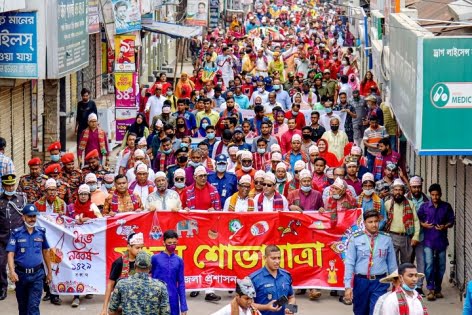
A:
(91, 155)
(34, 161)
(181, 150)
(53, 168)
(9, 179)
(67, 158)
(54, 146)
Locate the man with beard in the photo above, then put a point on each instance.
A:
(94, 166)
(417, 197)
(70, 174)
(31, 183)
(402, 223)
(385, 156)
(142, 186)
(163, 198)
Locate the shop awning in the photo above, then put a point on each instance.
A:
(173, 30)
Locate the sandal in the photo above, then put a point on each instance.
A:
(345, 301)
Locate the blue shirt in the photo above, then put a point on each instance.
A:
(293, 159)
(28, 248)
(226, 186)
(242, 100)
(189, 117)
(170, 270)
(468, 300)
(283, 98)
(358, 255)
(269, 288)
(369, 205)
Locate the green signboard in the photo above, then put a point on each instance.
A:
(447, 96)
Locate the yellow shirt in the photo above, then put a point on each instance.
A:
(213, 116)
(336, 143)
(397, 225)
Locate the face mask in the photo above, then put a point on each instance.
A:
(246, 168)
(368, 192)
(93, 187)
(184, 145)
(344, 62)
(260, 90)
(261, 151)
(334, 128)
(10, 193)
(171, 248)
(407, 288)
(328, 110)
(294, 113)
(305, 188)
(166, 152)
(55, 157)
(258, 104)
(109, 186)
(335, 57)
(194, 164)
(280, 180)
(210, 136)
(221, 168)
(306, 137)
(182, 159)
(204, 125)
(179, 185)
(276, 87)
(180, 125)
(30, 225)
(169, 93)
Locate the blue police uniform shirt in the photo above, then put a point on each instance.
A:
(226, 186)
(28, 247)
(269, 288)
(358, 255)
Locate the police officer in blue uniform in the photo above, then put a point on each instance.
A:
(370, 256)
(11, 217)
(271, 283)
(226, 183)
(27, 249)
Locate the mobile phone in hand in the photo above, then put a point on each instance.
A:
(281, 301)
(292, 308)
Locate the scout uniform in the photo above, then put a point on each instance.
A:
(31, 185)
(54, 146)
(269, 288)
(368, 259)
(63, 190)
(139, 294)
(28, 256)
(10, 219)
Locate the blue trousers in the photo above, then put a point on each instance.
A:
(366, 293)
(29, 289)
(435, 267)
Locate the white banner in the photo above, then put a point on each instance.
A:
(77, 254)
(324, 120)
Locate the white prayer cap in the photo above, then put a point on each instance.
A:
(139, 153)
(368, 177)
(313, 149)
(305, 174)
(84, 189)
(299, 165)
(141, 168)
(245, 179)
(281, 165)
(92, 116)
(259, 174)
(296, 137)
(51, 183)
(276, 156)
(200, 170)
(270, 177)
(275, 148)
(178, 173)
(136, 239)
(90, 177)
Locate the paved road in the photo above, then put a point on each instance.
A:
(327, 305)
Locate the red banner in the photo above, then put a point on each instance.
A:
(219, 247)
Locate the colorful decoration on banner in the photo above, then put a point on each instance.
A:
(125, 90)
(124, 118)
(217, 248)
(125, 60)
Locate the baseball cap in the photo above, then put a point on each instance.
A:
(143, 260)
(30, 209)
(221, 158)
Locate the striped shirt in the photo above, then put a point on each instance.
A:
(372, 136)
(6, 167)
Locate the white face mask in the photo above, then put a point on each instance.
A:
(344, 62)
(247, 168)
(30, 225)
(368, 192)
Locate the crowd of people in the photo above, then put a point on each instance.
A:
(276, 117)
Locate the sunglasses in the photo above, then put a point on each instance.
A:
(267, 185)
(179, 180)
(202, 176)
(258, 182)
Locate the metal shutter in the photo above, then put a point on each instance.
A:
(21, 126)
(5, 119)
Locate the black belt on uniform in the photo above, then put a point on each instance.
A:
(29, 270)
(371, 277)
(399, 234)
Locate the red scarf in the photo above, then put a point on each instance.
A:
(277, 204)
(83, 208)
(408, 217)
(403, 304)
(101, 140)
